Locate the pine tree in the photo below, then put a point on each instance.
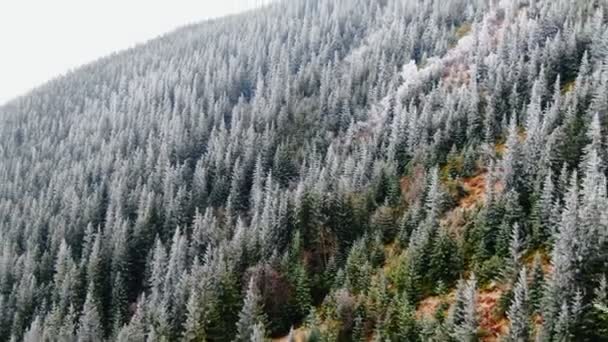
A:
(34, 332)
(251, 317)
(565, 252)
(194, 329)
(378, 299)
(562, 326)
(512, 158)
(355, 267)
(597, 320)
(519, 311)
(67, 330)
(593, 202)
(462, 319)
(136, 330)
(119, 302)
(543, 219)
(514, 262)
(435, 197)
(303, 299)
(89, 326)
(537, 284)
(258, 334)
(407, 329)
(565, 259)
(446, 263)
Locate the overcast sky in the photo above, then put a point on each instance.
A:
(41, 39)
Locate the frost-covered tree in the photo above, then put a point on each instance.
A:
(462, 319)
(518, 313)
(90, 328)
(252, 314)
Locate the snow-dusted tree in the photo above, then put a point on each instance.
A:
(259, 334)
(516, 249)
(251, 314)
(565, 256)
(462, 319)
(543, 224)
(90, 328)
(512, 158)
(518, 313)
(34, 333)
(136, 330)
(562, 326)
(194, 328)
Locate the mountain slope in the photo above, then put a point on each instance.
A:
(327, 164)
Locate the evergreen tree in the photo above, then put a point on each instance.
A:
(258, 334)
(537, 284)
(544, 223)
(119, 302)
(518, 313)
(407, 328)
(303, 299)
(136, 330)
(446, 262)
(89, 326)
(462, 319)
(514, 261)
(251, 317)
(512, 159)
(194, 328)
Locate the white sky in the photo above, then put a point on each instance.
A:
(42, 39)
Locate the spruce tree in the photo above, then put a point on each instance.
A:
(137, 328)
(303, 299)
(518, 313)
(258, 334)
(407, 328)
(251, 317)
(537, 284)
(462, 319)
(516, 250)
(194, 328)
(446, 262)
(89, 326)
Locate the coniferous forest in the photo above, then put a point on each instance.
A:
(318, 170)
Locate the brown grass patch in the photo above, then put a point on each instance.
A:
(493, 327)
(428, 307)
(476, 189)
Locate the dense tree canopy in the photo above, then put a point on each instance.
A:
(333, 165)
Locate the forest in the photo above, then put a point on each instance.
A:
(318, 170)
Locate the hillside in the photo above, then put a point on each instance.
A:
(344, 170)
